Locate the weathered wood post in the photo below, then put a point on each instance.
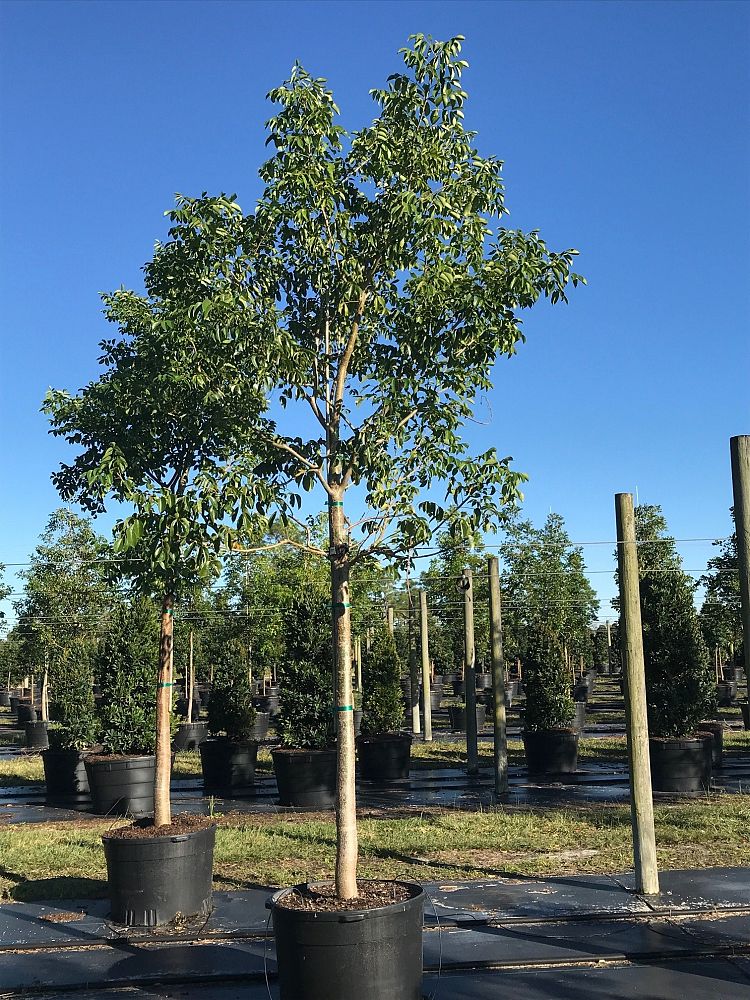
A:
(389, 618)
(500, 748)
(739, 448)
(416, 726)
(425, 656)
(470, 682)
(631, 648)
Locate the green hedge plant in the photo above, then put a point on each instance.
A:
(305, 719)
(125, 669)
(72, 709)
(546, 681)
(382, 700)
(230, 709)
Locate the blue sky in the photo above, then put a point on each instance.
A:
(625, 132)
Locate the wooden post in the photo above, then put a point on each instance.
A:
(636, 720)
(500, 749)
(190, 679)
(425, 655)
(358, 647)
(470, 682)
(389, 618)
(416, 726)
(739, 448)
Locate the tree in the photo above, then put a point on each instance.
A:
(720, 616)
(446, 600)
(372, 288)
(156, 436)
(63, 613)
(679, 681)
(545, 588)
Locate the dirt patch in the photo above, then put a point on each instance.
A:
(62, 917)
(372, 895)
(144, 829)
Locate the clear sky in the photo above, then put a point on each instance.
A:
(625, 131)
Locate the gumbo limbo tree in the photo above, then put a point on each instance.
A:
(367, 297)
(154, 435)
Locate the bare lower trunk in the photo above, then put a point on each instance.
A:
(346, 800)
(162, 804)
(191, 682)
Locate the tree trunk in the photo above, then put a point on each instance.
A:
(191, 682)
(162, 804)
(346, 801)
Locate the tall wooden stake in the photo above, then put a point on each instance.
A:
(739, 448)
(358, 648)
(416, 726)
(631, 648)
(425, 655)
(163, 773)
(500, 751)
(389, 618)
(191, 679)
(470, 681)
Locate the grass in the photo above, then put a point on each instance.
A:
(65, 860)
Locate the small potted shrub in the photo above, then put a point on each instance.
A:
(121, 776)
(383, 749)
(305, 764)
(73, 732)
(680, 682)
(457, 716)
(229, 756)
(549, 739)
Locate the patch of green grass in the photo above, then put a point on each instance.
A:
(65, 860)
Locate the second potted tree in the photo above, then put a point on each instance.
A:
(550, 741)
(383, 749)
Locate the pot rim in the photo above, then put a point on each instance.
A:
(345, 916)
(177, 838)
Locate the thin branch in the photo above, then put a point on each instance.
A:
(312, 549)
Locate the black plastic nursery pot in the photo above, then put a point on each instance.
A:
(36, 735)
(350, 954)
(551, 751)
(716, 746)
(457, 715)
(65, 776)
(14, 700)
(153, 879)
(305, 778)
(579, 719)
(260, 726)
(181, 707)
(4, 699)
(357, 721)
(189, 735)
(385, 757)
(726, 692)
(267, 704)
(228, 766)
(436, 698)
(122, 786)
(581, 691)
(483, 681)
(680, 765)
(25, 712)
(745, 709)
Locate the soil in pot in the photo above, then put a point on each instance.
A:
(680, 765)
(158, 873)
(368, 948)
(716, 747)
(121, 786)
(551, 752)
(457, 715)
(384, 757)
(189, 735)
(228, 766)
(305, 778)
(36, 736)
(65, 776)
